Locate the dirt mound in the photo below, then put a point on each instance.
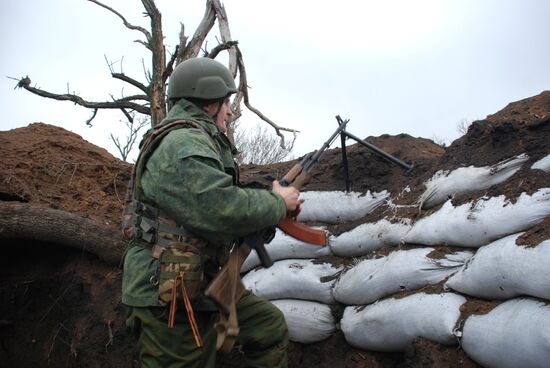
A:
(367, 170)
(61, 307)
(52, 167)
(527, 111)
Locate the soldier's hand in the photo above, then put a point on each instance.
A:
(290, 195)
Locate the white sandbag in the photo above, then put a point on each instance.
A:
(542, 164)
(503, 270)
(335, 207)
(293, 279)
(307, 321)
(284, 246)
(514, 334)
(366, 238)
(372, 279)
(444, 184)
(391, 324)
(480, 222)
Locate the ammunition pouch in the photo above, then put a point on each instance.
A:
(174, 260)
(143, 221)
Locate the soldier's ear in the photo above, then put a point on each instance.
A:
(211, 109)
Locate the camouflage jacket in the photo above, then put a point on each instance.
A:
(192, 176)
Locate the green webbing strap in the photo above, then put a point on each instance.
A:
(148, 146)
(147, 224)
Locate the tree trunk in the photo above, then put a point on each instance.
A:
(25, 221)
(156, 45)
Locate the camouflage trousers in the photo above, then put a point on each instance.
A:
(263, 336)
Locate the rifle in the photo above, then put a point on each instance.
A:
(297, 176)
(224, 289)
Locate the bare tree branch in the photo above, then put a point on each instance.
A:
(128, 25)
(26, 81)
(170, 65)
(109, 64)
(133, 82)
(194, 46)
(146, 72)
(133, 129)
(133, 98)
(117, 104)
(123, 76)
(89, 121)
(182, 46)
(221, 47)
(225, 33)
(128, 116)
(146, 44)
(205, 48)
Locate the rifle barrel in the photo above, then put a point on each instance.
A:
(378, 150)
(311, 160)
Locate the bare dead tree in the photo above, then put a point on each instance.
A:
(462, 126)
(260, 146)
(439, 141)
(152, 100)
(133, 129)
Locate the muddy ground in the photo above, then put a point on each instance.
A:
(60, 306)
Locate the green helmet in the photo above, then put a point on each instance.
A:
(201, 78)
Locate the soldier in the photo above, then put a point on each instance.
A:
(184, 213)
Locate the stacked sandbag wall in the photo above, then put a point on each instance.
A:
(403, 278)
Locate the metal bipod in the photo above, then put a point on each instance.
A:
(344, 134)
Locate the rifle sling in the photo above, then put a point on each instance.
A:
(228, 328)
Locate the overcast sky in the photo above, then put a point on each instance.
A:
(416, 67)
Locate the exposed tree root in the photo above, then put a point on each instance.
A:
(25, 221)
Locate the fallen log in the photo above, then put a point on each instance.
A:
(29, 222)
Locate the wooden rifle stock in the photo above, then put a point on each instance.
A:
(291, 175)
(219, 289)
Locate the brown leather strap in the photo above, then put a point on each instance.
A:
(228, 329)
